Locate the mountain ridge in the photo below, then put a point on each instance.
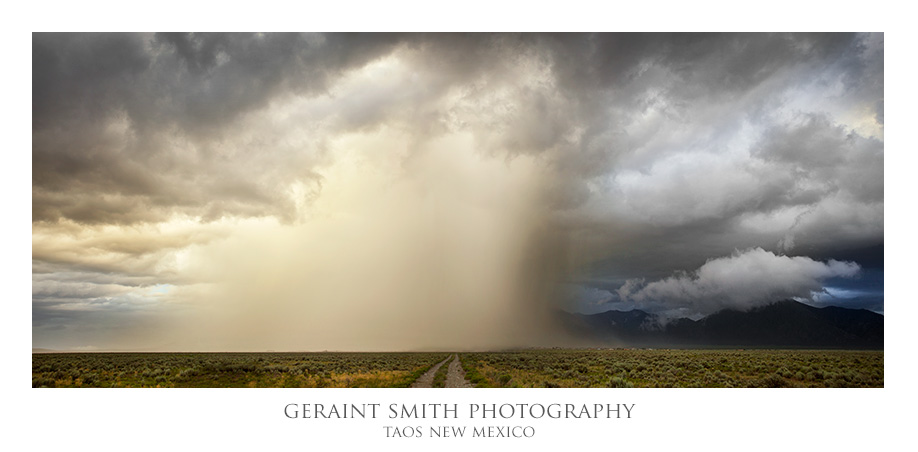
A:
(783, 324)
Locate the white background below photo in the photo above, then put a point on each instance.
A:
(672, 419)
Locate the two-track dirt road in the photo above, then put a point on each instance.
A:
(455, 377)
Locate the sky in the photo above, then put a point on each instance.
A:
(423, 191)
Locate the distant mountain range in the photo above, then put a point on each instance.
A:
(786, 324)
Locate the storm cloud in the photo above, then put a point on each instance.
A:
(311, 191)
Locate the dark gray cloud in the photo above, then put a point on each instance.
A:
(148, 119)
(135, 128)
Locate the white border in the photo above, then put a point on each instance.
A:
(242, 419)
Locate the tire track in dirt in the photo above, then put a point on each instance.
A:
(455, 377)
(426, 380)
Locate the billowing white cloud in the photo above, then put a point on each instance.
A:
(741, 281)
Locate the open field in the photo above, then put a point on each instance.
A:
(617, 368)
(676, 368)
(231, 370)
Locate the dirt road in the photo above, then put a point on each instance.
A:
(455, 377)
(426, 380)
